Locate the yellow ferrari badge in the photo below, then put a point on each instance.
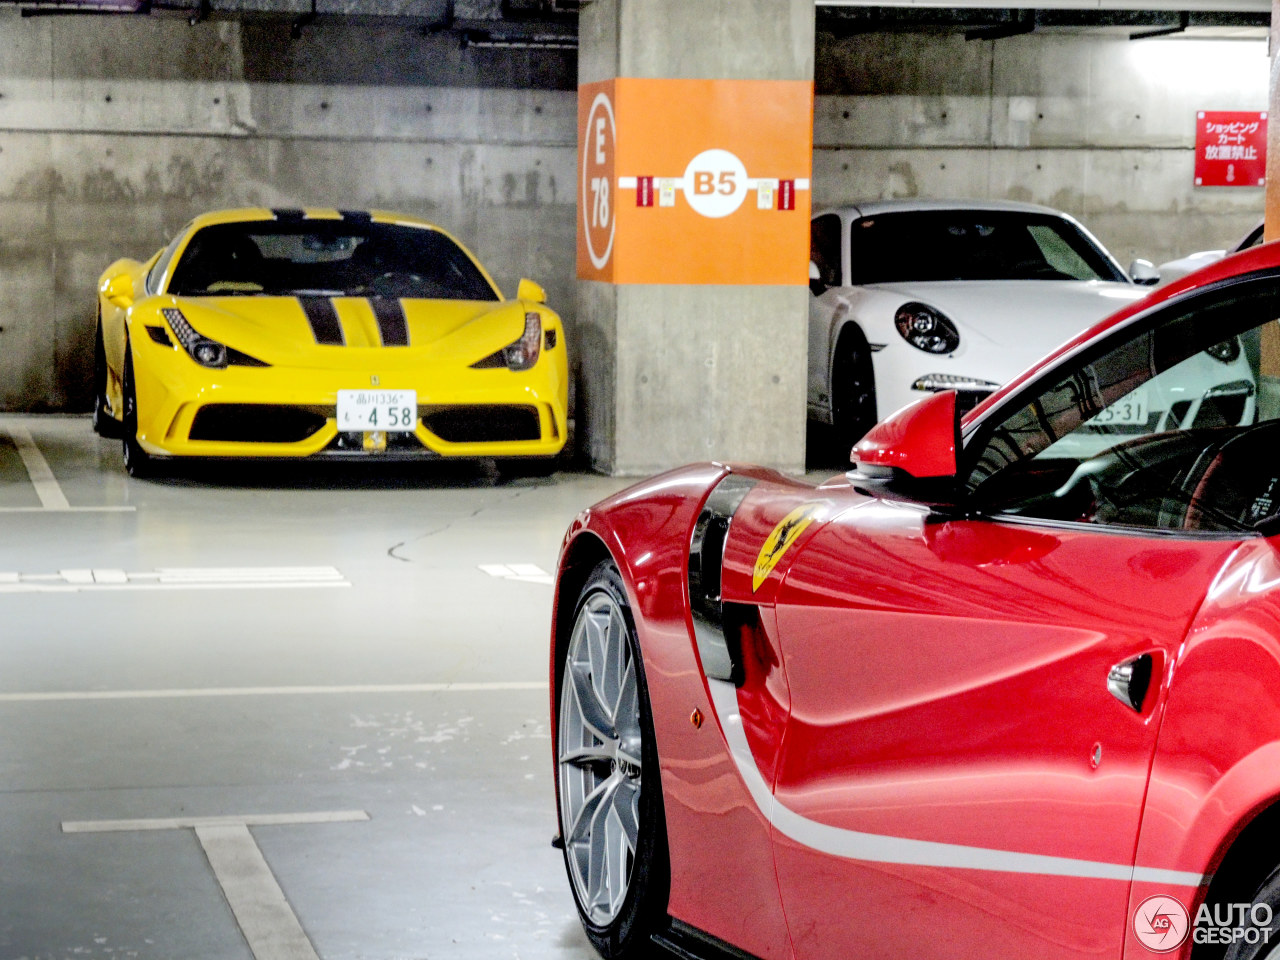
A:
(780, 540)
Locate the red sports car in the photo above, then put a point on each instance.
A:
(1008, 689)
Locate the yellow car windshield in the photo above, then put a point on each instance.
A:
(326, 258)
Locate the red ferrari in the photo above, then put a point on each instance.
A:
(1008, 689)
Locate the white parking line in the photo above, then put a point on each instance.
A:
(192, 823)
(75, 580)
(52, 499)
(498, 686)
(68, 509)
(268, 923)
(47, 489)
(525, 572)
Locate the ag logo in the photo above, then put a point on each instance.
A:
(779, 542)
(1161, 924)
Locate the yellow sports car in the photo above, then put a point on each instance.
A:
(307, 333)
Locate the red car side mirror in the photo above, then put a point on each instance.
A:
(920, 440)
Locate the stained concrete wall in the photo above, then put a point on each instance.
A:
(1097, 125)
(115, 131)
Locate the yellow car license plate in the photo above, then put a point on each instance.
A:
(390, 410)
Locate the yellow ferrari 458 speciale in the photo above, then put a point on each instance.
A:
(309, 333)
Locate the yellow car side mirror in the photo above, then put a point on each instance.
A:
(529, 290)
(119, 291)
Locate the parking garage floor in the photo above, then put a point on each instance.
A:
(275, 712)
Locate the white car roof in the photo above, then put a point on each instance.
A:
(874, 207)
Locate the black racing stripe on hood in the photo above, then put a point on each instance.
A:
(393, 326)
(323, 317)
(289, 213)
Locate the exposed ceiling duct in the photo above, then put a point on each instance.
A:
(553, 24)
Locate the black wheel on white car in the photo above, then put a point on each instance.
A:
(104, 425)
(853, 392)
(137, 462)
(610, 798)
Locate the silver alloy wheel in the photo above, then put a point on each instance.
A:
(599, 758)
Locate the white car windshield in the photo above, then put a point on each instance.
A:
(944, 245)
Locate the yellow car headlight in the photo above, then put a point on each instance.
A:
(206, 352)
(520, 355)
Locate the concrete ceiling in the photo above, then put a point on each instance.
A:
(553, 23)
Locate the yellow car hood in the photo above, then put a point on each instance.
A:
(355, 332)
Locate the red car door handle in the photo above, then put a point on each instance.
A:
(1129, 681)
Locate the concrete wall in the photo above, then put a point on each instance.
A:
(115, 131)
(1099, 126)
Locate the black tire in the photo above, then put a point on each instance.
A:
(137, 462)
(1267, 937)
(626, 933)
(104, 425)
(853, 393)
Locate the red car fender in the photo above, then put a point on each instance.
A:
(1217, 763)
(722, 875)
(768, 531)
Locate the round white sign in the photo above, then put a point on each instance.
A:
(715, 183)
(599, 142)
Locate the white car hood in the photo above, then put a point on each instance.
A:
(1034, 316)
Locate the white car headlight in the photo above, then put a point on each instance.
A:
(1228, 351)
(926, 329)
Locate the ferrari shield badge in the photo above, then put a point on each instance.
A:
(780, 540)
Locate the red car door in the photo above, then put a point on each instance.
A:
(957, 778)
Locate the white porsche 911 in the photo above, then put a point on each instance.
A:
(912, 297)
(1176, 269)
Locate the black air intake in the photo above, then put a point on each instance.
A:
(706, 566)
(257, 422)
(482, 423)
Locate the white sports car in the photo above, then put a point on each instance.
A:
(913, 297)
(1177, 269)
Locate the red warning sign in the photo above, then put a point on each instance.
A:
(1231, 148)
(644, 191)
(786, 195)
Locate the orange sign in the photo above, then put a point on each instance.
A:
(695, 181)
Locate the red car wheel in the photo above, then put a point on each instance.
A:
(607, 769)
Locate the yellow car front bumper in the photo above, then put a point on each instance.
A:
(185, 409)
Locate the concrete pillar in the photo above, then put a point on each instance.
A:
(693, 231)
